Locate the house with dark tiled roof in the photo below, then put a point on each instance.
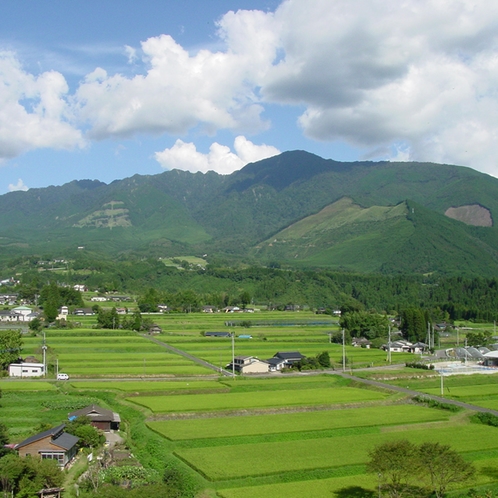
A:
(101, 418)
(289, 357)
(52, 444)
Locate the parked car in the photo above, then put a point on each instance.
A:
(62, 376)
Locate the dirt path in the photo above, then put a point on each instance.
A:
(193, 358)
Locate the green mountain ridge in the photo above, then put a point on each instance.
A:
(321, 213)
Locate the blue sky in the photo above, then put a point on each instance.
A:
(105, 90)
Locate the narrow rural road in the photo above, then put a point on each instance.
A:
(193, 358)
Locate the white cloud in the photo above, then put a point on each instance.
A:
(413, 79)
(33, 110)
(18, 186)
(179, 91)
(422, 73)
(184, 156)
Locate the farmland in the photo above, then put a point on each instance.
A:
(279, 435)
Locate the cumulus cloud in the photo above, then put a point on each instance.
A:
(34, 112)
(179, 91)
(184, 156)
(421, 73)
(414, 79)
(18, 186)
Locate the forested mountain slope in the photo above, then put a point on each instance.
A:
(295, 196)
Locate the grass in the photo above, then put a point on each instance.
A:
(25, 385)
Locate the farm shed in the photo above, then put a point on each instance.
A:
(101, 418)
(52, 444)
(491, 359)
(26, 369)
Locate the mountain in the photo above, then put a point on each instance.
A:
(295, 209)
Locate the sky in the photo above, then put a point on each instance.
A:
(112, 88)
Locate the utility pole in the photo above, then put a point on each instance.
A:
(343, 351)
(44, 349)
(389, 344)
(233, 355)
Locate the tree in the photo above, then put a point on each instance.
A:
(90, 437)
(403, 466)
(324, 359)
(395, 463)
(443, 466)
(414, 324)
(108, 319)
(10, 347)
(479, 338)
(364, 324)
(35, 325)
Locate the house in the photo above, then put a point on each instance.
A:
(80, 287)
(105, 420)
(52, 444)
(209, 309)
(8, 299)
(400, 346)
(155, 329)
(419, 347)
(276, 364)
(292, 307)
(84, 312)
(163, 308)
(248, 365)
(289, 357)
(361, 342)
(217, 334)
(26, 369)
(63, 312)
(231, 309)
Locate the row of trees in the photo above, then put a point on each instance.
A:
(460, 298)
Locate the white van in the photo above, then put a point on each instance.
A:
(62, 376)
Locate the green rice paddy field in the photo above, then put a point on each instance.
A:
(283, 436)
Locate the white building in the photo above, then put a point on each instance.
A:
(26, 370)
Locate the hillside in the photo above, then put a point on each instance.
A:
(320, 213)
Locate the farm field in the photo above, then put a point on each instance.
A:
(235, 461)
(279, 436)
(95, 353)
(253, 425)
(267, 399)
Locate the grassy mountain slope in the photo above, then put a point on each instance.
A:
(403, 238)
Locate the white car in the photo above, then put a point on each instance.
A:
(62, 376)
